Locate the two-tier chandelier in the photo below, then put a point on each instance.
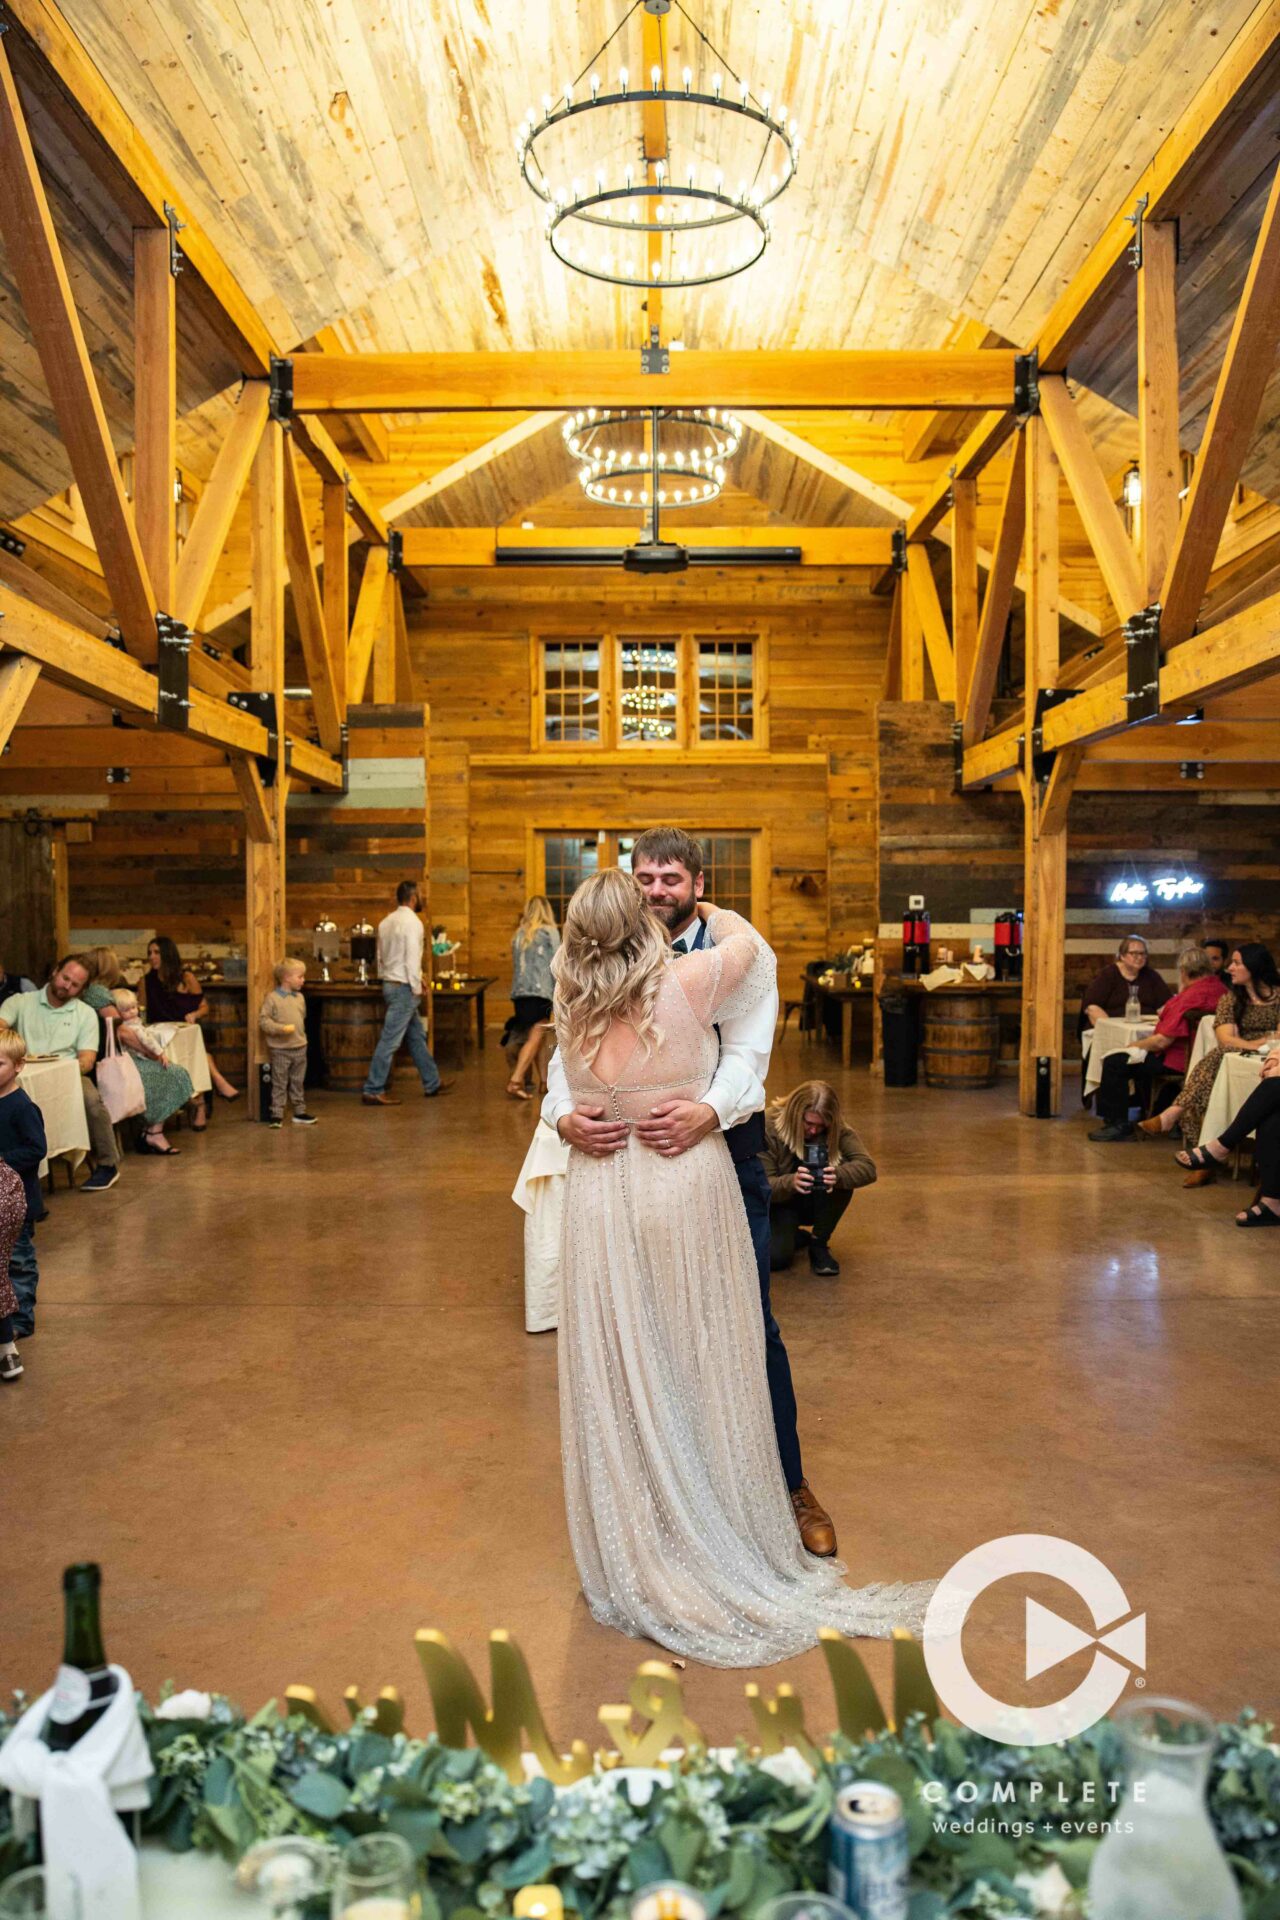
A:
(685, 456)
(649, 184)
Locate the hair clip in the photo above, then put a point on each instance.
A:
(595, 943)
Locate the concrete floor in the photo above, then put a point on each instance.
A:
(281, 1390)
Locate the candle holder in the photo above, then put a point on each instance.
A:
(289, 1872)
(376, 1879)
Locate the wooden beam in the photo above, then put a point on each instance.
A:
(35, 745)
(1250, 356)
(267, 562)
(35, 261)
(1214, 109)
(337, 589)
(997, 600)
(18, 676)
(332, 467)
(971, 336)
(265, 931)
(155, 406)
(451, 476)
(259, 818)
(891, 687)
(1043, 621)
(889, 503)
(1058, 790)
(912, 641)
(476, 546)
(384, 645)
(1103, 524)
(978, 450)
(365, 623)
(1212, 742)
(924, 593)
(964, 585)
(216, 508)
(509, 382)
(308, 609)
(366, 428)
(1044, 950)
(49, 39)
(1159, 451)
(404, 675)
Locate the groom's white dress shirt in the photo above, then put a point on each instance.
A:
(737, 1089)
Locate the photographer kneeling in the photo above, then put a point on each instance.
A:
(814, 1162)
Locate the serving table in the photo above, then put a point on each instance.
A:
(960, 1025)
(848, 1000)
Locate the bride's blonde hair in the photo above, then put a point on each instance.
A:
(610, 965)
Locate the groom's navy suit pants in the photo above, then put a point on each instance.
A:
(744, 1145)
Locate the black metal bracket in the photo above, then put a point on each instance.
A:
(176, 226)
(343, 754)
(262, 706)
(898, 548)
(10, 543)
(1191, 769)
(114, 638)
(951, 490)
(281, 390)
(1026, 385)
(173, 704)
(214, 653)
(118, 776)
(395, 550)
(957, 752)
(1142, 654)
(1046, 697)
(655, 358)
(1137, 220)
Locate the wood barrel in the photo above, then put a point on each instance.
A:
(226, 1036)
(961, 1040)
(349, 1029)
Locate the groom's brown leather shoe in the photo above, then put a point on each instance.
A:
(814, 1522)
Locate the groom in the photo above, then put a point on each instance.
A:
(667, 866)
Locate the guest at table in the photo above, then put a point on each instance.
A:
(533, 947)
(166, 1085)
(170, 991)
(11, 983)
(1259, 1115)
(401, 940)
(1109, 992)
(1164, 1051)
(1245, 1021)
(55, 1021)
(807, 1202)
(23, 1148)
(1218, 952)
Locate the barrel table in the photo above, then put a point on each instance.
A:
(226, 1034)
(960, 1028)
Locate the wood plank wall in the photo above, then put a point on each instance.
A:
(812, 795)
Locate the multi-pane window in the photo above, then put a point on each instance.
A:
(649, 687)
(568, 860)
(726, 869)
(726, 688)
(571, 687)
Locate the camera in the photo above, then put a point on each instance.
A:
(815, 1155)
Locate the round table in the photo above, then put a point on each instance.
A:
(55, 1087)
(183, 1041)
(1111, 1036)
(1235, 1080)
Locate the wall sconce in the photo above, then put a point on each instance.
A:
(1131, 487)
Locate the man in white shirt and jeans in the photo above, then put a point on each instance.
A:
(401, 940)
(667, 866)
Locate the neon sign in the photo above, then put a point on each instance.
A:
(1167, 888)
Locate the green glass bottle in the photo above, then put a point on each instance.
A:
(85, 1684)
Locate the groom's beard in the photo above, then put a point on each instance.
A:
(675, 914)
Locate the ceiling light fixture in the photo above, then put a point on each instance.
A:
(616, 468)
(693, 214)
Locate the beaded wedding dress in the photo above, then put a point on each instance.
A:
(678, 1512)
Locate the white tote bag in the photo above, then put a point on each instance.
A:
(119, 1081)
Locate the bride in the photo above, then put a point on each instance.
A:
(678, 1510)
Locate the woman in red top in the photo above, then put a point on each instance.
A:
(1165, 1050)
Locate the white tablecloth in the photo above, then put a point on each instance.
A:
(1204, 1042)
(1110, 1036)
(1235, 1080)
(54, 1085)
(183, 1041)
(539, 1192)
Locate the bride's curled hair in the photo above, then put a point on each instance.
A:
(610, 964)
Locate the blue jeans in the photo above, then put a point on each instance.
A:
(25, 1275)
(401, 1021)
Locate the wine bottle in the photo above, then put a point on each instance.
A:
(85, 1684)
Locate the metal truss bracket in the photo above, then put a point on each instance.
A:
(1191, 769)
(395, 551)
(10, 543)
(343, 752)
(655, 358)
(176, 226)
(957, 752)
(1046, 697)
(262, 706)
(1026, 385)
(118, 776)
(173, 704)
(1142, 654)
(1136, 220)
(281, 390)
(898, 546)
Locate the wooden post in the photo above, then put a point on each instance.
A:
(384, 647)
(912, 641)
(155, 405)
(1045, 834)
(264, 811)
(337, 589)
(964, 586)
(1158, 451)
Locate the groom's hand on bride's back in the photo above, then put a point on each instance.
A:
(590, 1130)
(676, 1125)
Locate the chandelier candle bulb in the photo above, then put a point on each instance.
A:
(595, 86)
(687, 77)
(655, 74)
(622, 80)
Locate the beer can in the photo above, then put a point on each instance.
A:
(868, 1862)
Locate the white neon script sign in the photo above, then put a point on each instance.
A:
(1136, 893)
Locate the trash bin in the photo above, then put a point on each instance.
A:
(898, 1039)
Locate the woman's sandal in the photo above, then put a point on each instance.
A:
(515, 1092)
(1153, 1128)
(160, 1153)
(1198, 1158)
(1258, 1216)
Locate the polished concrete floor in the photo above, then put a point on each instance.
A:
(282, 1391)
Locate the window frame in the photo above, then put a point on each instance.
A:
(611, 639)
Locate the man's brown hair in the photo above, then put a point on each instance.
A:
(661, 845)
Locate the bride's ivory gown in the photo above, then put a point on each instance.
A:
(679, 1515)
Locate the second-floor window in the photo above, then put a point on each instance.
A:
(664, 690)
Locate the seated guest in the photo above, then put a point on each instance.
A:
(813, 1162)
(1107, 994)
(1245, 1020)
(11, 983)
(1217, 952)
(170, 991)
(57, 1022)
(1260, 1114)
(167, 1087)
(22, 1148)
(1165, 1050)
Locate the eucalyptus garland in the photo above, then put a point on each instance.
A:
(993, 1830)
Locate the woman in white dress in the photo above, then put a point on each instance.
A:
(678, 1511)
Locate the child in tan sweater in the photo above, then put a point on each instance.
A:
(283, 1020)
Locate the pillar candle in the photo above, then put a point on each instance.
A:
(538, 1903)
